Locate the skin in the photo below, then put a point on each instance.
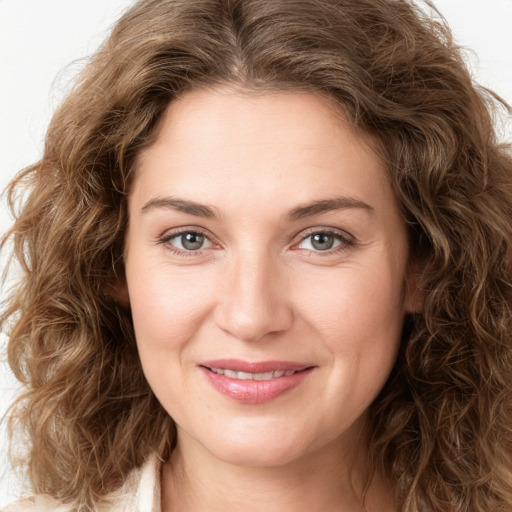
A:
(258, 289)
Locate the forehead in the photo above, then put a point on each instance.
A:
(205, 111)
(215, 144)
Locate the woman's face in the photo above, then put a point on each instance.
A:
(266, 265)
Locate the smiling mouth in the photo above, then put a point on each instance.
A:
(252, 376)
(254, 382)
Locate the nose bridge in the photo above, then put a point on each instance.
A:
(254, 303)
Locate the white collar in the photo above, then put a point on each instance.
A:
(147, 497)
(139, 493)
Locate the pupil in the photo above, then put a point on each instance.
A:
(192, 241)
(322, 241)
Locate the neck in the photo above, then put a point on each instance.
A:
(193, 479)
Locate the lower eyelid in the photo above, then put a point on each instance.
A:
(344, 243)
(345, 240)
(166, 239)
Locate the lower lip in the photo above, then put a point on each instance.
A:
(255, 391)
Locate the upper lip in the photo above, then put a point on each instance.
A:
(238, 365)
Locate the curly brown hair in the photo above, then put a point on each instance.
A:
(442, 425)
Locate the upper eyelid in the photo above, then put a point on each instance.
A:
(319, 229)
(171, 233)
(168, 235)
(299, 237)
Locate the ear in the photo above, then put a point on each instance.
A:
(413, 296)
(120, 292)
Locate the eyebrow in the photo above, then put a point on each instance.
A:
(327, 205)
(300, 212)
(180, 205)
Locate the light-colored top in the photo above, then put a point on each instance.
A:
(139, 493)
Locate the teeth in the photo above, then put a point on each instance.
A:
(265, 376)
(252, 376)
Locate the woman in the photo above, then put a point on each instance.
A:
(267, 266)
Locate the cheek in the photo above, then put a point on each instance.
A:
(359, 314)
(168, 309)
(167, 306)
(355, 297)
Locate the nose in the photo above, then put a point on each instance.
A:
(253, 302)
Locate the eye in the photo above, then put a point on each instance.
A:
(324, 241)
(187, 241)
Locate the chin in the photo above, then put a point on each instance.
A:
(257, 454)
(259, 445)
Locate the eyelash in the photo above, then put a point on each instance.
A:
(165, 240)
(345, 239)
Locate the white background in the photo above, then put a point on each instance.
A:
(42, 46)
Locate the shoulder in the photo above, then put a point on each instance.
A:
(140, 493)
